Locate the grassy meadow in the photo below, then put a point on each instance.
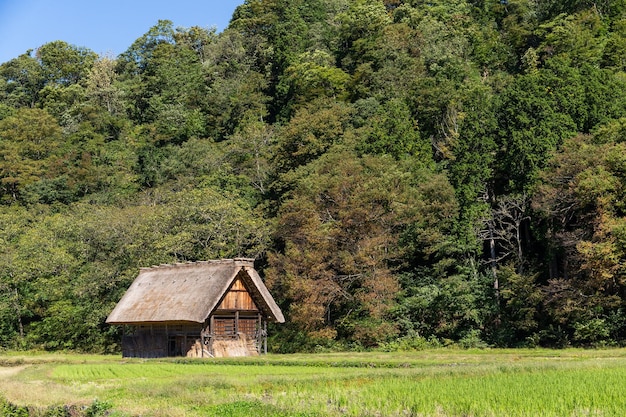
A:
(428, 383)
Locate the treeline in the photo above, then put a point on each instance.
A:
(401, 170)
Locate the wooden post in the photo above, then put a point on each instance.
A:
(237, 323)
(202, 336)
(211, 334)
(259, 334)
(265, 337)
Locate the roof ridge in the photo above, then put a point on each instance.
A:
(241, 261)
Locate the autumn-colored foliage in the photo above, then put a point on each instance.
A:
(399, 169)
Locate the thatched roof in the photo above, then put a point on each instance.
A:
(189, 292)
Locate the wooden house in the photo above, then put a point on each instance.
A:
(210, 308)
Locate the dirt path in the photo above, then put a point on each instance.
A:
(8, 371)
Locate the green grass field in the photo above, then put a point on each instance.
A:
(429, 383)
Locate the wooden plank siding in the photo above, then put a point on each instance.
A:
(160, 340)
(238, 298)
(230, 326)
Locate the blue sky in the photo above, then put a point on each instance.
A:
(104, 26)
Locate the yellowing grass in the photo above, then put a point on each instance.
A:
(433, 383)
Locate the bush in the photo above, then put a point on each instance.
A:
(592, 332)
(410, 343)
(10, 410)
(472, 340)
(96, 409)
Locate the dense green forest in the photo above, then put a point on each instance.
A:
(402, 171)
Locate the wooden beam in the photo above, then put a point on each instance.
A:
(211, 334)
(259, 334)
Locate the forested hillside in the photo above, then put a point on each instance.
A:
(401, 171)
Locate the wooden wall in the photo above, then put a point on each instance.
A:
(159, 341)
(238, 298)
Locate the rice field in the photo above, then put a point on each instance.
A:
(428, 383)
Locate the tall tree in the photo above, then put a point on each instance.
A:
(28, 140)
(24, 79)
(63, 63)
(581, 199)
(340, 230)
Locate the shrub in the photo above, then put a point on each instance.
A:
(410, 343)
